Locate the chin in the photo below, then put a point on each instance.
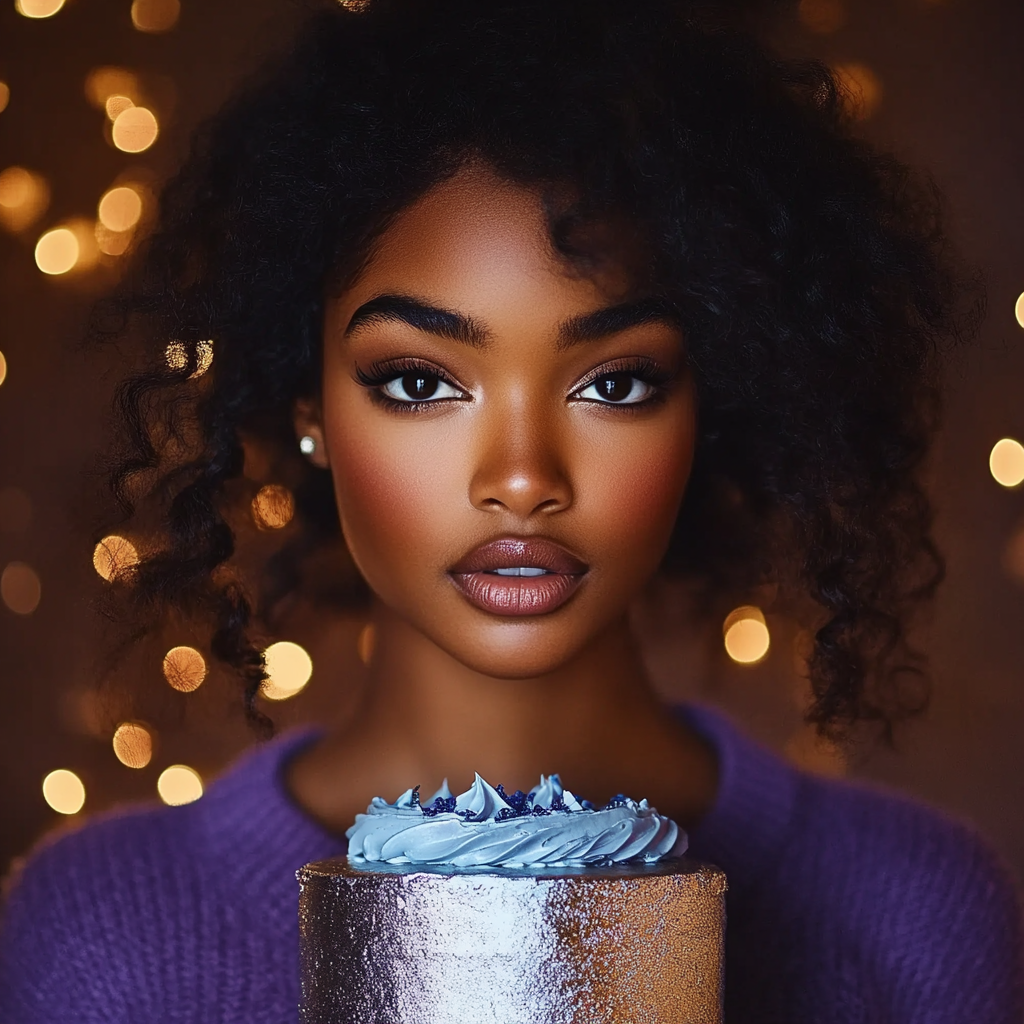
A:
(523, 655)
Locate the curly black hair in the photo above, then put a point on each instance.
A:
(809, 271)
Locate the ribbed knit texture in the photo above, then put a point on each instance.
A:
(846, 905)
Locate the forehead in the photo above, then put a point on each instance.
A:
(482, 244)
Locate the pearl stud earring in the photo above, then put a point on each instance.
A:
(307, 444)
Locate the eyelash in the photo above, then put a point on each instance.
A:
(380, 374)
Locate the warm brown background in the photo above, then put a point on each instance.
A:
(951, 79)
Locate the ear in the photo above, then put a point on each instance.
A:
(308, 423)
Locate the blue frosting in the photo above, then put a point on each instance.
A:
(485, 826)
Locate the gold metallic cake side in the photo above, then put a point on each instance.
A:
(627, 945)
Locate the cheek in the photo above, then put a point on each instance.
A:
(635, 487)
(395, 486)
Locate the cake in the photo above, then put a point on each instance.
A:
(529, 908)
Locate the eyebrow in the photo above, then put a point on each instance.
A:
(421, 315)
(603, 323)
(446, 323)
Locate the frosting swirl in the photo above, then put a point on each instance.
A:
(486, 827)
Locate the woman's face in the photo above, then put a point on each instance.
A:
(509, 438)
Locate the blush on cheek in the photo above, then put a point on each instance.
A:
(641, 495)
(393, 497)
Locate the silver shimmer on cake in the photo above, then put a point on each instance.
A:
(529, 908)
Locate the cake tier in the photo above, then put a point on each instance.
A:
(636, 944)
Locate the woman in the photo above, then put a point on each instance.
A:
(539, 299)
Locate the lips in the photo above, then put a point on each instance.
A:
(517, 576)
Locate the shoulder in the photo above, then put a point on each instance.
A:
(99, 923)
(925, 900)
(84, 897)
(916, 903)
(899, 842)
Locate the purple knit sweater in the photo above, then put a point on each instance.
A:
(845, 905)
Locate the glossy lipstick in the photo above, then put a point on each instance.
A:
(518, 576)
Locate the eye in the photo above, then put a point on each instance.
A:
(616, 389)
(419, 386)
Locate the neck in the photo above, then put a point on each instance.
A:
(427, 717)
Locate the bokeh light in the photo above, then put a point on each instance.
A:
(155, 15)
(5, 96)
(64, 791)
(176, 356)
(113, 556)
(57, 251)
(273, 507)
(38, 8)
(289, 668)
(822, 16)
(365, 643)
(20, 588)
(184, 668)
(179, 785)
(1018, 309)
(15, 510)
(120, 208)
(861, 89)
(135, 129)
(746, 635)
(113, 243)
(24, 197)
(3, 367)
(116, 105)
(104, 82)
(133, 744)
(1013, 557)
(1006, 462)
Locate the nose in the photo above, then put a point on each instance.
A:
(520, 469)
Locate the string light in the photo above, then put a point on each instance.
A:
(746, 635)
(366, 642)
(104, 83)
(113, 556)
(273, 507)
(289, 668)
(135, 129)
(38, 8)
(822, 16)
(179, 785)
(133, 744)
(20, 588)
(120, 208)
(64, 791)
(1018, 309)
(155, 15)
(24, 197)
(176, 356)
(112, 243)
(861, 89)
(1006, 462)
(57, 251)
(5, 96)
(117, 105)
(184, 668)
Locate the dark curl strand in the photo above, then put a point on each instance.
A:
(809, 272)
